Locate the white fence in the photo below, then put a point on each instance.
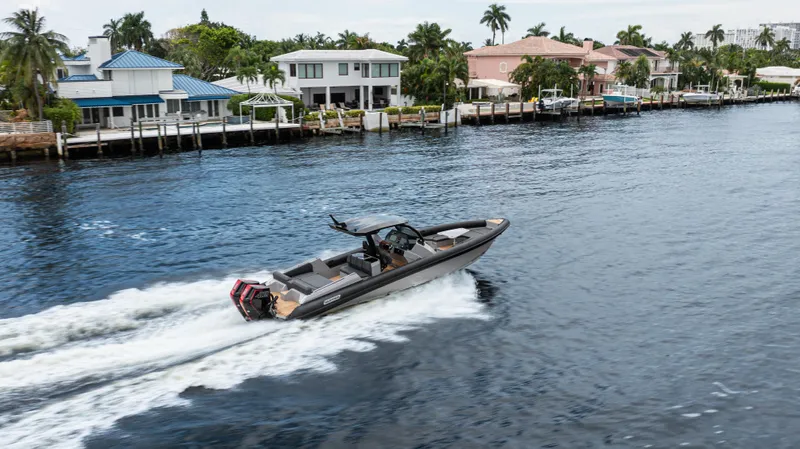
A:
(45, 126)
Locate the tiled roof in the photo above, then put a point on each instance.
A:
(532, 46)
(596, 56)
(627, 52)
(339, 55)
(72, 78)
(199, 89)
(132, 59)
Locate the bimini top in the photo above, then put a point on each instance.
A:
(367, 225)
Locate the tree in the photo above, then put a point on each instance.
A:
(624, 71)
(346, 40)
(272, 75)
(537, 72)
(112, 31)
(766, 38)
(716, 34)
(640, 77)
(781, 46)
(363, 42)
(427, 41)
(31, 52)
(538, 31)
(631, 36)
(487, 43)
(247, 74)
(204, 17)
(135, 31)
(450, 68)
(402, 45)
(496, 19)
(567, 38)
(686, 41)
(588, 72)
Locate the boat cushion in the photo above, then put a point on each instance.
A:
(307, 283)
(364, 264)
(278, 276)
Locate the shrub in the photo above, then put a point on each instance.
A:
(392, 110)
(355, 113)
(64, 111)
(773, 87)
(265, 114)
(314, 116)
(416, 109)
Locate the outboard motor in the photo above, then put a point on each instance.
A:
(256, 302)
(236, 293)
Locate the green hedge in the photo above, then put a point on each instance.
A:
(354, 113)
(416, 109)
(265, 114)
(392, 110)
(314, 116)
(63, 111)
(774, 87)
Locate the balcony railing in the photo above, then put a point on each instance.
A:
(45, 126)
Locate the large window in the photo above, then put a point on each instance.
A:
(310, 71)
(190, 106)
(118, 111)
(385, 70)
(342, 69)
(365, 72)
(173, 106)
(213, 108)
(293, 70)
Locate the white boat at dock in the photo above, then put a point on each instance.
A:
(621, 95)
(552, 100)
(701, 95)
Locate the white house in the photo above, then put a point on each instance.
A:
(779, 74)
(365, 79)
(113, 90)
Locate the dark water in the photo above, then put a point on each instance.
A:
(645, 295)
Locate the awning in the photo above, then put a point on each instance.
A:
(117, 101)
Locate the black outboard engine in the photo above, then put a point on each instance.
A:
(236, 293)
(256, 301)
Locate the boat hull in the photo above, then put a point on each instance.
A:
(700, 98)
(620, 100)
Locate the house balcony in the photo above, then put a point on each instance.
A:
(84, 89)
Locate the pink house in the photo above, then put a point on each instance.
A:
(499, 61)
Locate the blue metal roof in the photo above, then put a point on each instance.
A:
(78, 78)
(117, 101)
(201, 90)
(82, 57)
(132, 59)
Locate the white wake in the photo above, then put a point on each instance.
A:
(148, 346)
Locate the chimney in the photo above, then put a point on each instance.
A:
(588, 45)
(98, 51)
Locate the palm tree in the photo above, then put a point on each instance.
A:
(782, 46)
(272, 74)
(686, 41)
(31, 52)
(496, 19)
(716, 34)
(112, 31)
(766, 38)
(624, 71)
(402, 46)
(538, 31)
(346, 40)
(487, 42)
(588, 71)
(363, 42)
(247, 74)
(427, 40)
(631, 36)
(135, 31)
(451, 68)
(563, 36)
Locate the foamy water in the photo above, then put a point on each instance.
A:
(139, 349)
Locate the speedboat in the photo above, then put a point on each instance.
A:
(619, 95)
(701, 96)
(393, 256)
(553, 100)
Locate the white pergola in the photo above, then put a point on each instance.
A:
(266, 100)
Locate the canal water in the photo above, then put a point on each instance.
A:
(644, 296)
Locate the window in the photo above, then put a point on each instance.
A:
(377, 90)
(61, 73)
(503, 67)
(173, 106)
(213, 108)
(342, 69)
(118, 111)
(356, 67)
(310, 71)
(107, 75)
(87, 115)
(150, 110)
(385, 70)
(365, 72)
(190, 106)
(293, 70)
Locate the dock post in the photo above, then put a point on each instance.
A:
(380, 123)
(580, 103)
(277, 125)
(492, 113)
(455, 118)
(477, 114)
(178, 133)
(194, 138)
(639, 106)
(252, 134)
(99, 143)
(160, 143)
(199, 141)
(141, 140)
(360, 121)
(224, 134)
(447, 121)
(661, 102)
(133, 139)
(13, 154)
(507, 108)
(64, 147)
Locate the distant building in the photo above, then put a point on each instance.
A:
(359, 78)
(793, 25)
(113, 90)
(747, 37)
(497, 62)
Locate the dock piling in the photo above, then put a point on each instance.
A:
(178, 134)
(194, 138)
(478, 114)
(65, 146)
(492, 113)
(252, 134)
(133, 139)
(447, 121)
(225, 135)
(199, 140)
(507, 108)
(160, 143)
(99, 142)
(141, 140)
(380, 123)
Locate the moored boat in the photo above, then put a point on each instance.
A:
(701, 95)
(394, 256)
(620, 95)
